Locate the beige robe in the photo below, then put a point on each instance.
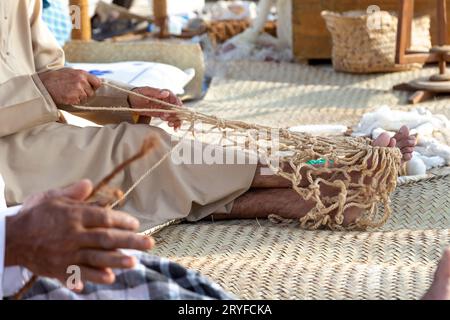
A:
(38, 153)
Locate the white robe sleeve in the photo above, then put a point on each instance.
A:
(12, 278)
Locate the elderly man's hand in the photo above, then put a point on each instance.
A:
(57, 229)
(164, 95)
(69, 86)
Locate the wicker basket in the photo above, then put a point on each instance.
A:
(366, 44)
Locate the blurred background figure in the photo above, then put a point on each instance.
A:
(57, 17)
(124, 3)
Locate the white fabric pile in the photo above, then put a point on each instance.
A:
(429, 153)
(254, 44)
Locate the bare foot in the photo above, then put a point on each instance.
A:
(402, 140)
(273, 195)
(440, 289)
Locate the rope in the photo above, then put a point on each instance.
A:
(354, 174)
(147, 173)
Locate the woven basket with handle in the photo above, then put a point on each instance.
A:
(365, 43)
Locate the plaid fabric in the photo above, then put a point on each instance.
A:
(57, 17)
(154, 279)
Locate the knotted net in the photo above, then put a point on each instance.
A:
(337, 174)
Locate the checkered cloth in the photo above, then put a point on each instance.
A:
(57, 17)
(153, 279)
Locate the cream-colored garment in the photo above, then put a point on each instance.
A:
(21, 58)
(37, 153)
(27, 48)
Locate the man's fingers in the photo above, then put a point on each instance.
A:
(99, 276)
(88, 90)
(101, 218)
(95, 82)
(175, 100)
(106, 259)
(163, 94)
(78, 191)
(150, 92)
(89, 274)
(76, 287)
(178, 124)
(115, 239)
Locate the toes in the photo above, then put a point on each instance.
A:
(407, 157)
(407, 150)
(404, 131)
(407, 142)
(392, 143)
(402, 134)
(383, 140)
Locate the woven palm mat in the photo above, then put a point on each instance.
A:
(291, 94)
(256, 259)
(308, 75)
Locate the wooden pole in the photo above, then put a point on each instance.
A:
(405, 21)
(442, 22)
(80, 14)
(161, 17)
(442, 32)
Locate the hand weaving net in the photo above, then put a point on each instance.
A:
(361, 176)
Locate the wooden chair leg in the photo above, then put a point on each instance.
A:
(421, 96)
(442, 22)
(405, 19)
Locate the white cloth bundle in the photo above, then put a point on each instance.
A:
(254, 44)
(429, 153)
(233, 10)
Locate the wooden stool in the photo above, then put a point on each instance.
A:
(425, 88)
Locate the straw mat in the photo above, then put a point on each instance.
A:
(284, 94)
(256, 259)
(259, 260)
